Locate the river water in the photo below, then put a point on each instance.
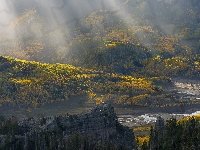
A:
(188, 90)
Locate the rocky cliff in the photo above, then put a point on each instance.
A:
(99, 124)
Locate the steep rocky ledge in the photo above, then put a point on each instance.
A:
(100, 123)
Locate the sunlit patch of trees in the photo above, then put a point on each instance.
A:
(137, 100)
(174, 66)
(186, 119)
(142, 141)
(33, 83)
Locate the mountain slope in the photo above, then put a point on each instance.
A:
(33, 83)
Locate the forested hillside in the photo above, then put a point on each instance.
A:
(33, 83)
(122, 51)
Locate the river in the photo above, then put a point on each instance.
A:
(187, 89)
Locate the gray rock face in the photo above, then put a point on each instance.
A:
(100, 123)
(101, 117)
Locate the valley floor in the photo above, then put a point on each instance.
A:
(128, 115)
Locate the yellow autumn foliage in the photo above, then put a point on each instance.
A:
(140, 140)
(20, 81)
(185, 119)
(141, 128)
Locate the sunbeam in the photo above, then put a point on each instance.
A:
(57, 24)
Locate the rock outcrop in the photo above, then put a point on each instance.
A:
(100, 123)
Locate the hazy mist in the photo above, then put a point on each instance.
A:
(55, 22)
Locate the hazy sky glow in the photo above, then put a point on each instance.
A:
(54, 13)
(7, 15)
(57, 13)
(50, 19)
